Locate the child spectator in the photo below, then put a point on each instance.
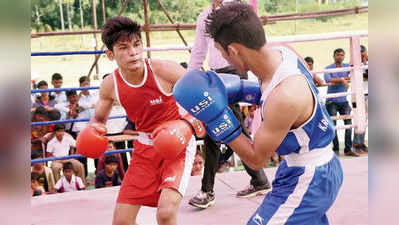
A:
(44, 98)
(109, 176)
(35, 188)
(59, 146)
(70, 110)
(198, 165)
(87, 102)
(248, 120)
(46, 177)
(56, 81)
(69, 182)
(101, 161)
(37, 132)
(309, 63)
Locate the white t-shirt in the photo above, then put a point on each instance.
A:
(70, 186)
(61, 148)
(59, 98)
(86, 102)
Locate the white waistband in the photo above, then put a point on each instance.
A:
(145, 138)
(315, 157)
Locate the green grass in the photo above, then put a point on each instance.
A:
(72, 67)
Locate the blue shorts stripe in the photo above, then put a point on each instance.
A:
(300, 195)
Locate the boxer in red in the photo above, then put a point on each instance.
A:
(164, 152)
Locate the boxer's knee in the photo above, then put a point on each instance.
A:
(166, 214)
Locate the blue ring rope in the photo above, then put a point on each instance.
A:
(61, 89)
(98, 52)
(78, 156)
(70, 121)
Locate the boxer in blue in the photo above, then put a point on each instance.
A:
(294, 124)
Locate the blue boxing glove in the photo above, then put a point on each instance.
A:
(204, 96)
(239, 90)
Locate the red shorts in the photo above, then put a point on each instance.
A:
(148, 174)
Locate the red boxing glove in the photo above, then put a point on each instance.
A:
(197, 126)
(171, 138)
(91, 141)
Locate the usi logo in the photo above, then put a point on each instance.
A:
(156, 101)
(203, 104)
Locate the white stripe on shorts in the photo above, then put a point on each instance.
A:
(188, 165)
(294, 199)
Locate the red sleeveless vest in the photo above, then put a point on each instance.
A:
(145, 104)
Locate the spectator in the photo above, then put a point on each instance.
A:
(87, 101)
(46, 177)
(69, 182)
(37, 132)
(309, 62)
(248, 120)
(70, 110)
(109, 176)
(59, 146)
(44, 98)
(339, 83)
(59, 97)
(359, 138)
(35, 188)
(101, 161)
(203, 43)
(198, 165)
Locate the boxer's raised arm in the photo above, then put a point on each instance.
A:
(91, 141)
(105, 101)
(170, 71)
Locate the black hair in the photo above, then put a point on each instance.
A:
(59, 127)
(363, 48)
(106, 75)
(67, 165)
(36, 154)
(56, 76)
(34, 176)
(309, 59)
(53, 115)
(42, 83)
(338, 50)
(40, 111)
(71, 93)
(119, 28)
(236, 22)
(111, 159)
(83, 79)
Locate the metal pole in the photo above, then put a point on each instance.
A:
(62, 15)
(103, 8)
(173, 22)
(94, 35)
(147, 33)
(296, 11)
(357, 86)
(81, 14)
(103, 46)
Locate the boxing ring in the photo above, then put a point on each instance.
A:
(96, 206)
